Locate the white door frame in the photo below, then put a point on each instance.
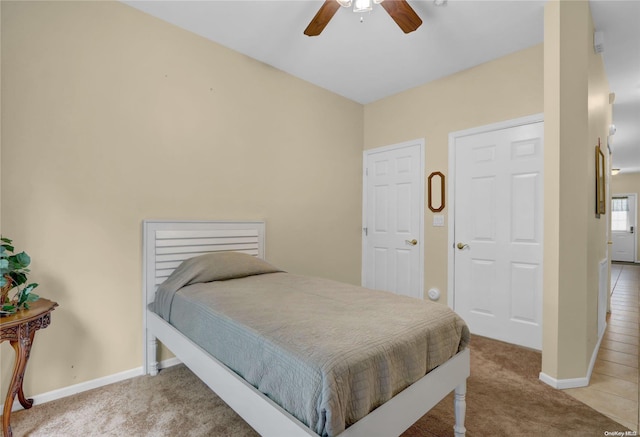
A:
(636, 255)
(365, 156)
(451, 192)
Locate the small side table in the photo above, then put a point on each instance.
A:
(19, 329)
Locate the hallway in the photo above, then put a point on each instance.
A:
(614, 382)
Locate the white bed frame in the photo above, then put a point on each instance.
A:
(167, 243)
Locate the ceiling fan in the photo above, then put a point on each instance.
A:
(399, 10)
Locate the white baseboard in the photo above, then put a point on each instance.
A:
(89, 385)
(574, 382)
(173, 362)
(564, 383)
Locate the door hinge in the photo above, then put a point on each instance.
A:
(366, 231)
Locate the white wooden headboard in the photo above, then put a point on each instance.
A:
(167, 243)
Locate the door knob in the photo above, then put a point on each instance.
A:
(462, 246)
(411, 242)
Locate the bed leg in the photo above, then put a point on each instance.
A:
(460, 409)
(152, 356)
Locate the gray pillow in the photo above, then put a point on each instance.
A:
(215, 266)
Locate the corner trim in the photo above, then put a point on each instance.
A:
(575, 382)
(564, 383)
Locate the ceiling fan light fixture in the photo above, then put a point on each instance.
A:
(363, 5)
(399, 10)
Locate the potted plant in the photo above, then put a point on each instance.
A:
(13, 274)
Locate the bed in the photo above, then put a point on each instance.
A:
(254, 396)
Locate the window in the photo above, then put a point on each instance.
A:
(620, 214)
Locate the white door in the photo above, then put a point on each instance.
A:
(623, 227)
(498, 233)
(393, 216)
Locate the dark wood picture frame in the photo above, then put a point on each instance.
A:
(601, 204)
(432, 207)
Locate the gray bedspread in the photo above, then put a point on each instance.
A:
(327, 352)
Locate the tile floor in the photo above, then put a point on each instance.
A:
(614, 382)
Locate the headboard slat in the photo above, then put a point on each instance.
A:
(226, 245)
(205, 233)
(178, 242)
(197, 251)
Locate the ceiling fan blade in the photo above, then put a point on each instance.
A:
(402, 14)
(322, 18)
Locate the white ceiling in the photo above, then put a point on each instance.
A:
(620, 23)
(369, 60)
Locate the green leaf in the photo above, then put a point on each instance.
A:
(4, 266)
(6, 240)
(19, 278)
(29, 287)
(8, 308)
(6, 244)
(32, 297)
(23, 259)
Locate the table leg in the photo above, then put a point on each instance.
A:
(22, 347)
(26, 403)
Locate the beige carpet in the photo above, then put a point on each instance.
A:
(505, 398)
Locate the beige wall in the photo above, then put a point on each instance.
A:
(111, 116)
(0, 124)
(627, 183)
(116, 117)
(599, 119)
(504, 89)
(577, 112)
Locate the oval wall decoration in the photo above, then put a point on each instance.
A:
(430, 183)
